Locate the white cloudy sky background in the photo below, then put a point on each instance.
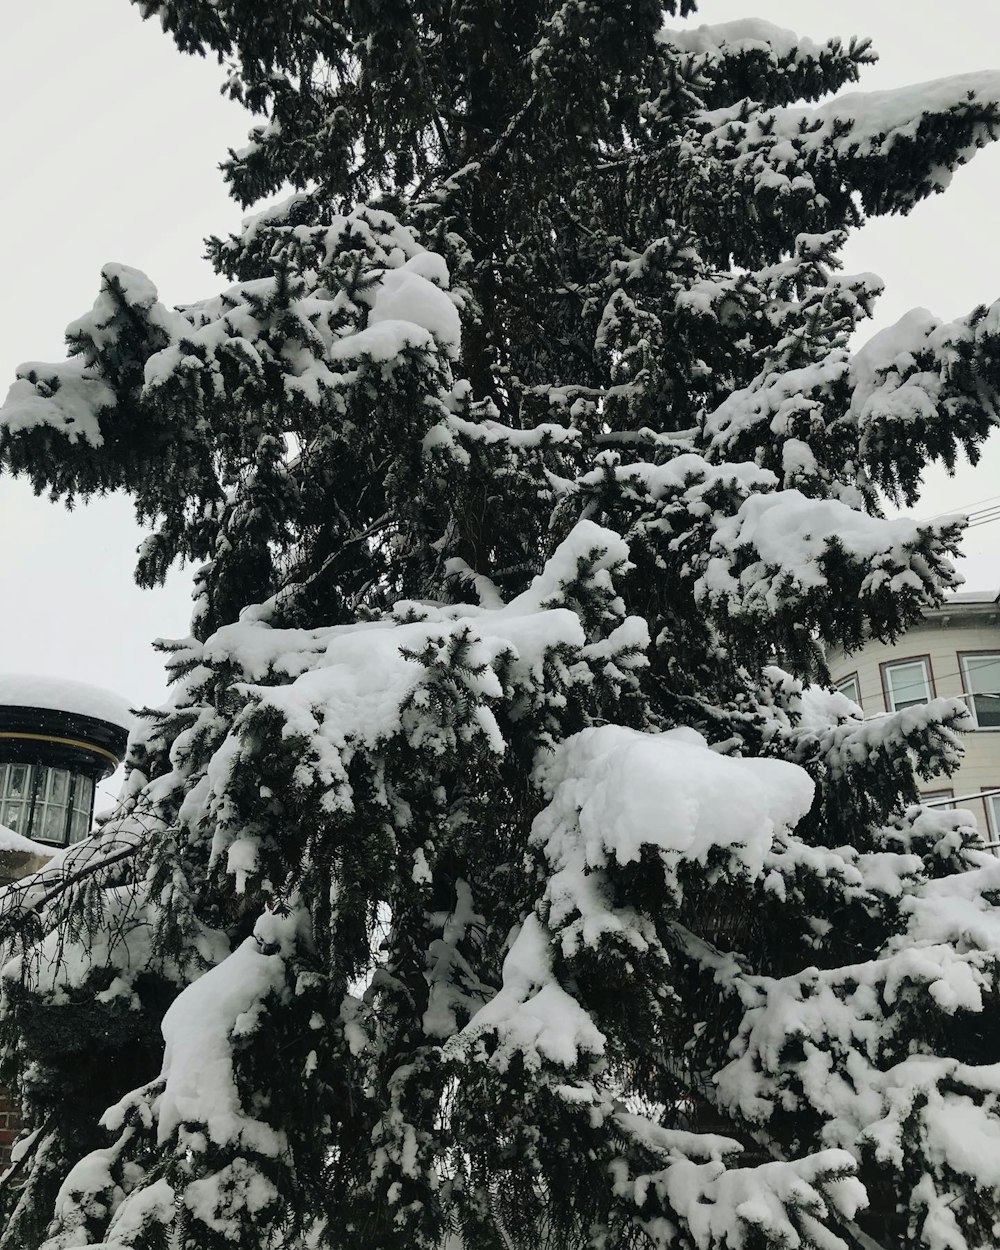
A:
(109, 151)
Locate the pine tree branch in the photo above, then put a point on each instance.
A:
(15, 1168)
(442, 138)
(514, 126)
(65, 882)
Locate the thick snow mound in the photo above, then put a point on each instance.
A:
(62, 695)
(612, 792)
(11, 841)
(615, 790)
(72, 406)
(866, 122)
(743, 35)
(198, 1032)
(410, 294)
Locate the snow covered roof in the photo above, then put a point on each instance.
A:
(60, 695)
(973, 596)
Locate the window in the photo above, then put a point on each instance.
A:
(981, 679)
(850, 687)
(944, 800)
(82, 804)
(48, 821)
(907, 683)
(992, 804)
(45, 804)
(15, 796)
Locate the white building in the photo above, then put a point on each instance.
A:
(953, 651)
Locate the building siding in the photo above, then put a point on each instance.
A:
(942, 637)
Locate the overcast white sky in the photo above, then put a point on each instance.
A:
(109, 152)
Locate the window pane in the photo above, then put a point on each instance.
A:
(83, 801)
(983, 673)
(58, 786)
(992, 802)
(987, 710)
(79, 826)
(14, 815)
(908, 684)
(849, 687)
(943, 800)
(18, 781)
(982, 680)
(52, 825)
(83, 797)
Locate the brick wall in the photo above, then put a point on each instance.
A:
(8, 1128)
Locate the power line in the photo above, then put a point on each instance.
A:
(985, 520)
(977, 513)
(941, 677)
(948, 511)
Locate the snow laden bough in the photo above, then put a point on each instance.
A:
(625, 816)
(253, 401)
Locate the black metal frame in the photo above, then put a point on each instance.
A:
(47, 738)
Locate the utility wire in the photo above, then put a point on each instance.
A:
(986, 520)
(988, 499)
(963, 694)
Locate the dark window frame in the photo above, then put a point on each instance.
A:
(905, 659)
(35, 803)
(854, 676)
(960, 656)
(992, 821)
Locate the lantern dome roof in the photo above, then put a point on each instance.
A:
(62, 724)
(57, 694)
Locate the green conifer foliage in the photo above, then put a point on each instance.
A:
(501, 874)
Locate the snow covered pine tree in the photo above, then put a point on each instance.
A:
(500, 874)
